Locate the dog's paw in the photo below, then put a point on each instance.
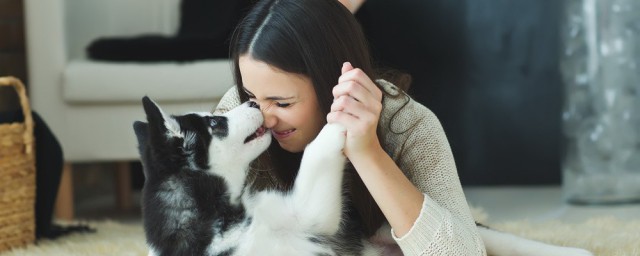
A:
(330, 140)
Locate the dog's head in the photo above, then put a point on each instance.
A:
(201, 141)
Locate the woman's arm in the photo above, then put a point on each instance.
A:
(445, 220)
(357, 106)
(397, 197)
(425, 204)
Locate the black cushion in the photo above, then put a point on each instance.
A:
(203, 33)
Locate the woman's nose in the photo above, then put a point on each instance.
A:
(270, 120)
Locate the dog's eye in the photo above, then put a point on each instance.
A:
(218, 125)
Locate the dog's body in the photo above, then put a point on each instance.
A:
(195, 201)
(194, 197)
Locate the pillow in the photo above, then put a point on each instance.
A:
(203, 33)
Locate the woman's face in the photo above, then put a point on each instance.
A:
(287, 100)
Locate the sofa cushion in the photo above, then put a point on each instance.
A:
(87, 81)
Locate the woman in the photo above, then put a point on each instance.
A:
(306, 62)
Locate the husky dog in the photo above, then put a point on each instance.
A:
(195, 201)
(194, 196)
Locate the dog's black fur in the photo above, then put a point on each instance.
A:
(192, 208)
(188, 210)
(205, 198)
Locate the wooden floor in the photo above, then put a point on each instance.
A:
(95, 194)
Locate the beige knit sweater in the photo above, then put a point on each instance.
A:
(417, 143)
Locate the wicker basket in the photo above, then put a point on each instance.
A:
(17, 176)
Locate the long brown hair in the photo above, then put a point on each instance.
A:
(312, 38)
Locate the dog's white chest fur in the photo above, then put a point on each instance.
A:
(292, 223)
(196, 202)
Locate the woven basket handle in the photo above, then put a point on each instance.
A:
(26, 109)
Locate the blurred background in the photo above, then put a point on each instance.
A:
(488, 69)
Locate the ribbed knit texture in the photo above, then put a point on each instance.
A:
(417, 143)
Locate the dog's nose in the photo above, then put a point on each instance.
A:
(254, 104)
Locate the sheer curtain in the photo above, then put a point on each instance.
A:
(601, 118)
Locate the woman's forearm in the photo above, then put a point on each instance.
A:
(399, 200)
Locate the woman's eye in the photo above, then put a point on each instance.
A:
(283, 105)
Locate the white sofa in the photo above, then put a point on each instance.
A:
(90, 106)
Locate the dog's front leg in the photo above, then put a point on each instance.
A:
(317, 192)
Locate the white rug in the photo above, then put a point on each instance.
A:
(604, 236)
(110, 238)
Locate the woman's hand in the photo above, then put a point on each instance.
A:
(357, 105)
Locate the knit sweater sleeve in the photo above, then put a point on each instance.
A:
(445, 225)
(229, 100)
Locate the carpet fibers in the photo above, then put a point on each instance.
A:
(606, 236)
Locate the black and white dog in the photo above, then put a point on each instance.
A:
(194, 196)
(195, 201)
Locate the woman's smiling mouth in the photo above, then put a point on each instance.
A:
(279, 135)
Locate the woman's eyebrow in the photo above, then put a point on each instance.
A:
(278, 98)
(268, 98)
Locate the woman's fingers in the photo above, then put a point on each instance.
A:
(358, 85)
(357, 105)
(359, 111)
(353, 98)
(346, 67)
(357, 75)
(354, 90)
(345, 103)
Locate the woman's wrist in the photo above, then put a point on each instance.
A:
(367, 153)
(399, 200)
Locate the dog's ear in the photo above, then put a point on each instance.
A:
(141, 130)
(159, 122)
(142, 133)
(153, 111)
